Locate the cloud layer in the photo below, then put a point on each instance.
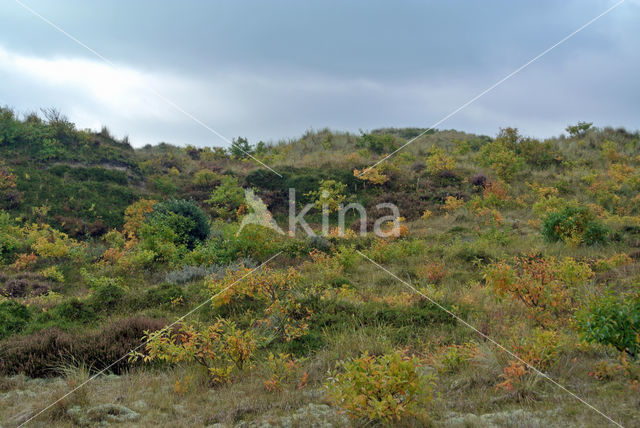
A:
(270, 79)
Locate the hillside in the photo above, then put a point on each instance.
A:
(512, 259)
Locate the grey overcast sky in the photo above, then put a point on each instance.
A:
(270, 70)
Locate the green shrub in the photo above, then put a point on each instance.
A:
(614, 321)
(504, 161)
(13, 318)
(226, 198)
(73, 310)
(163, 294)
(575, 224)
(185, 218)
(378, 143)
(387, 388)
(106, 297)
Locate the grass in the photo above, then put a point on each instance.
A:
(357, 308)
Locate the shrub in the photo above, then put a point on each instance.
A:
(13, 318)
(283, 369)
(547, 286)
(40, 354)
(330, 194)
(578, 129)
(22, 287)
(386, 388)
(453, 358)
(574, 224)
(377, 143)
(134, 216)
(220, 348)
(371, 175)
(283, 316)
(163, 294)
(227, 198)
(611, 320)
(240, 148)
(318, 243)
(206, 178)
(73, 310)
(186, 219)
(190, 273)
(479, 180)
(106, 297)
(438, 161)
(504, 161)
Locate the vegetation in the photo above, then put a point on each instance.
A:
(104, 248)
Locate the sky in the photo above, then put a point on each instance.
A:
(203, 73)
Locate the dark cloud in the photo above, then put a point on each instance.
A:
(270, 70)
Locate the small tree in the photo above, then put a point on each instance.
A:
(578, 129)
(240, 148)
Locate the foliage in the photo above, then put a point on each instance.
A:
(453, 358)
(186, 219)
(49, 242)
(578, 129)
(40, 353)
(227, 198)
(545, 285)
(503, 160)
(13, 318)
(330, 194)
(372, 175)
(611, 320)
(284, 368)
(220, 348)
(576, 225)
(452, 204)
(283, 316)
(439, 161)
(387, 388)
(377, 143)
(206, 178)
(240, 148)
(135, 215)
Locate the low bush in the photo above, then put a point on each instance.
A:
(106, 297)
(163, 294)
(611, 320)
(40, 354)
(221, 348)
(187, 274)
(13, 318)
(547, 286)
(381, 389)
(575, 224)
(22, 287)
(72, 310)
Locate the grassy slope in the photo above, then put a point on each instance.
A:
(458, 241)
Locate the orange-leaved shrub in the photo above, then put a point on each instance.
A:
(547, 286)
(220, 348)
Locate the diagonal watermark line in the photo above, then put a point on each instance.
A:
(144, 343)
(495, 85)
(149, 88)
(544, 375)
